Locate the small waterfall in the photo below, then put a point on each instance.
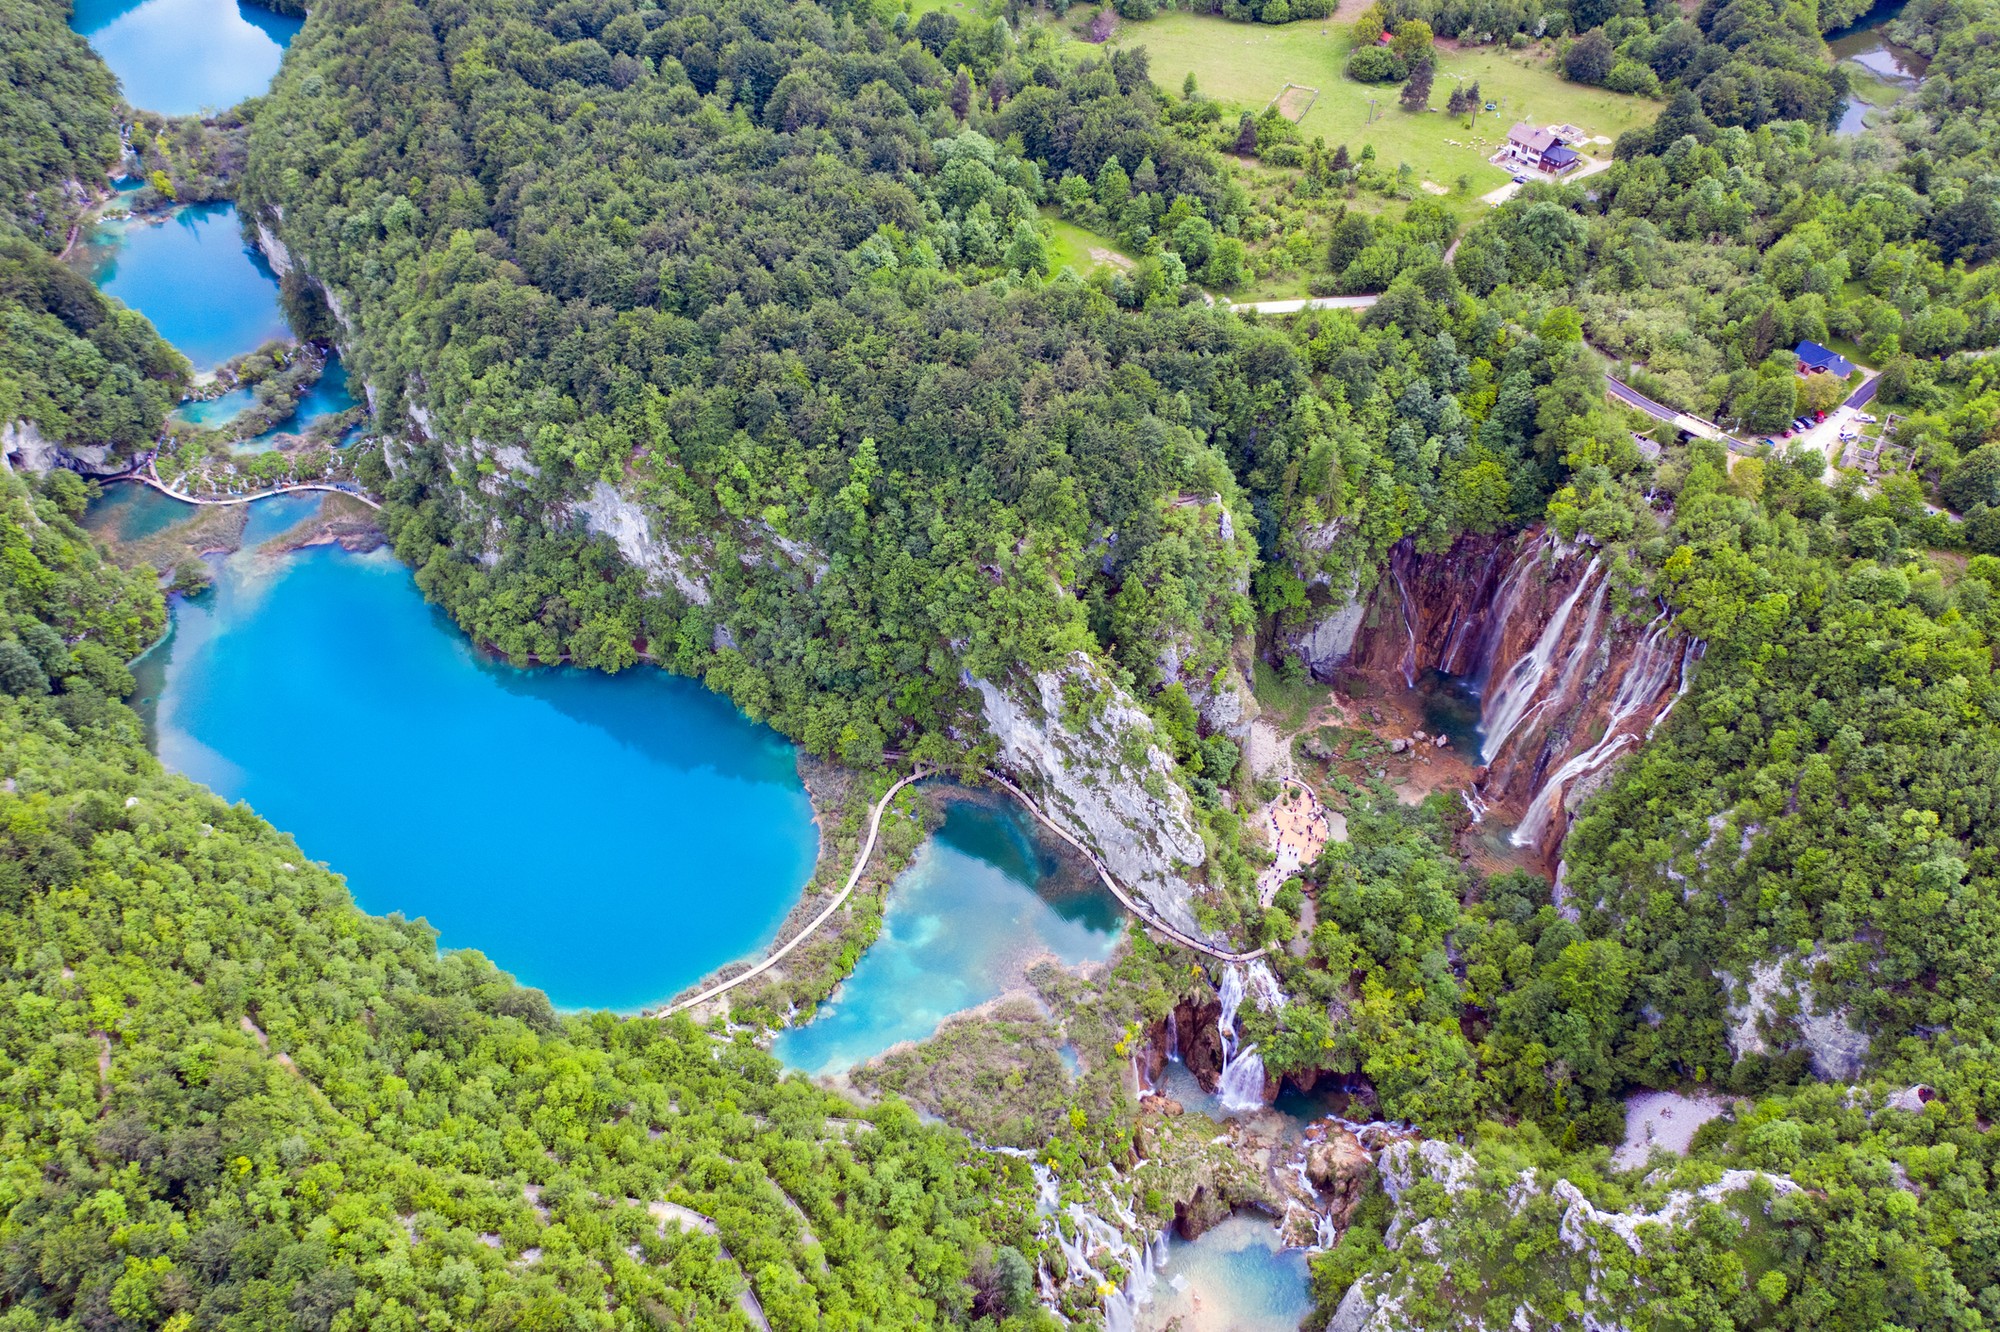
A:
(1464, 618)
(1694, 649)
(1652, 664)
(1263, 987)
(1474, 804)
(1516, 693)
(1240, 1086)
(1409, 662)
(1502, 611)
(1173, 1036)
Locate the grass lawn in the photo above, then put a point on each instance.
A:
(1286, 704)
(1072, 245)
(1247, 64)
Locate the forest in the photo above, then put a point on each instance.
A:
(776, 277)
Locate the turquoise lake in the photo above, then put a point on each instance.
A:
(328, 396)
(180, 57)
(207, 292)
(1234, 1278)
(985, 897)
(608, 839)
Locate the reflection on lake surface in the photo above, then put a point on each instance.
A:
(608, 839)
(1868, 46)
(207, 292)
(1234, 1278)
(179, 57)
(984, 898)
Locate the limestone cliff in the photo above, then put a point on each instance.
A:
(609, 512)
(1089, 752)
(24, 446)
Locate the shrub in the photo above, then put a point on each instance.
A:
(1375, 64)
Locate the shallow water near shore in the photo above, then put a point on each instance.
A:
(1234, 1278)
(208, 292)
(180, 57)
(609, 839)
(986, 895)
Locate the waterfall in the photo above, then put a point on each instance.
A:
(1517, 691)
(1502, 611)
(1409, 663)
(1651, 665)
(1263, 987)
(1474, 803)
(1687, 660)
(1240, 1086)
(1173, 1036)
(1230, 994)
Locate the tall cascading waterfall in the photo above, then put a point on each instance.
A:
(1241, 1083)
(1517, 691)
(1464, 617)
(1494, 625)
(1409, 661)
(1652, 666)
(1689, 655)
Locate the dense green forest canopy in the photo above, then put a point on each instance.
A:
(231, 1100)
(59, 104)
(770, 278)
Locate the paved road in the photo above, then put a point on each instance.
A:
(1631, 397)
(1864, 395)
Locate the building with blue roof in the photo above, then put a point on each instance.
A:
(1817, 360)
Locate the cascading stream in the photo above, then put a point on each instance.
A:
(1516, 693)
(1652, 666)
(1240, 1086)
(1409, 663)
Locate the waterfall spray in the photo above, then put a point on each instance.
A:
(1516, 693)
(1409, 663)
(1240, 1086)
(1652, 665)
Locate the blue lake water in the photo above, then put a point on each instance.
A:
(207, 292)
(132, 512)
(1234, 1278)
(984, 897)
(179, 57)
(217, 412)
(608, 839)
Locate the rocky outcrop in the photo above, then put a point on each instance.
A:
(1826, 1032)
(608, 512)
(24, 446)
(1091, 753)
(1326, 642)
(275, 253)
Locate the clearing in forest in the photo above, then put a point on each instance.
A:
(1240, 63)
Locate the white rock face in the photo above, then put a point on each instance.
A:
(609, 513)
(514, 458)
(1329, 640)
(274, 249)
(1404, 1163)
(1103, 777)
(1580, 1211)
(1828, 1034)
(36, 452)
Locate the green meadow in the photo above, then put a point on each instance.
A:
(1248, 64)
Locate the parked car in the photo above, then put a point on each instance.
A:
(1520, 180)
